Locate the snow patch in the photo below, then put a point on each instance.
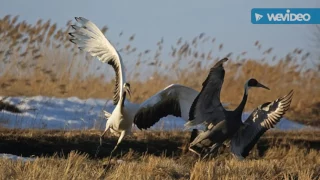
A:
(73, 113)
(16, 158)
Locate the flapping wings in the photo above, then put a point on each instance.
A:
(89, 38)
(264, 117)
(207, 107)
(174, 100)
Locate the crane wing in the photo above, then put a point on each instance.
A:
(173, 100)
(208, 137)
(89, 38)
(264, 117)
(208, 141)
(207, 107)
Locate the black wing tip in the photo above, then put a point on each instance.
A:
(79, 18)
(287, 100)
(220, 62)
(74, 26)
(141, 125)
(288, 97)
(72, 40)
(224, 59)
(291, 92)
(71, 34)
(147, 117)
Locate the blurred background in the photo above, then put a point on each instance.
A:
(161, 42)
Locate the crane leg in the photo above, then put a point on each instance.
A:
(104, 132)
(123, 133)
(213, 149)
(101, 136)
(192, 150)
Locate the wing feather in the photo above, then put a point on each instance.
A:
(207, 104)
(174, 100)
(89, 38)
(265, 117)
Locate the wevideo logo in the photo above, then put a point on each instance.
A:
(258, 16)
(285, 15)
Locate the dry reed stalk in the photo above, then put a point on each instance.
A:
(43, 62)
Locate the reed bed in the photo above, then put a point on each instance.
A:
(38, 59)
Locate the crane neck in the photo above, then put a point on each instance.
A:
(244, 100)
(246, 88)
(123, 98)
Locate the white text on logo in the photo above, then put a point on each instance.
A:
(289, 17)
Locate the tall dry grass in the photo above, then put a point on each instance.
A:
(284, 160)
(38, 59)
(296, 164)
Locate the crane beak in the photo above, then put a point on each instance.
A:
(129, 92)
(127, 89)
(262, 86)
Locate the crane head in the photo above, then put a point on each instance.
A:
(254, 83)
(126, 87)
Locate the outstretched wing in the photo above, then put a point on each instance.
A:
(89, 38)
(207, 106)
(264, 117)
(174, 100)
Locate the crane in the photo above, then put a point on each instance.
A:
(207, 109)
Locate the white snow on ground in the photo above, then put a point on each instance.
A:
(16, 158)
(74, 113)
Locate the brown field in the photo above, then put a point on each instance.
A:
(154, 155)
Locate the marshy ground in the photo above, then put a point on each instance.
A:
(154, 155)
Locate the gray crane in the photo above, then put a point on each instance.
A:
(207, 109)
(263, 118)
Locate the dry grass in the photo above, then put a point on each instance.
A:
(283, 158)
(39, 60)
(297, 164)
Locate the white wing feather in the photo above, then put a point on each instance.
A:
(89, 38)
